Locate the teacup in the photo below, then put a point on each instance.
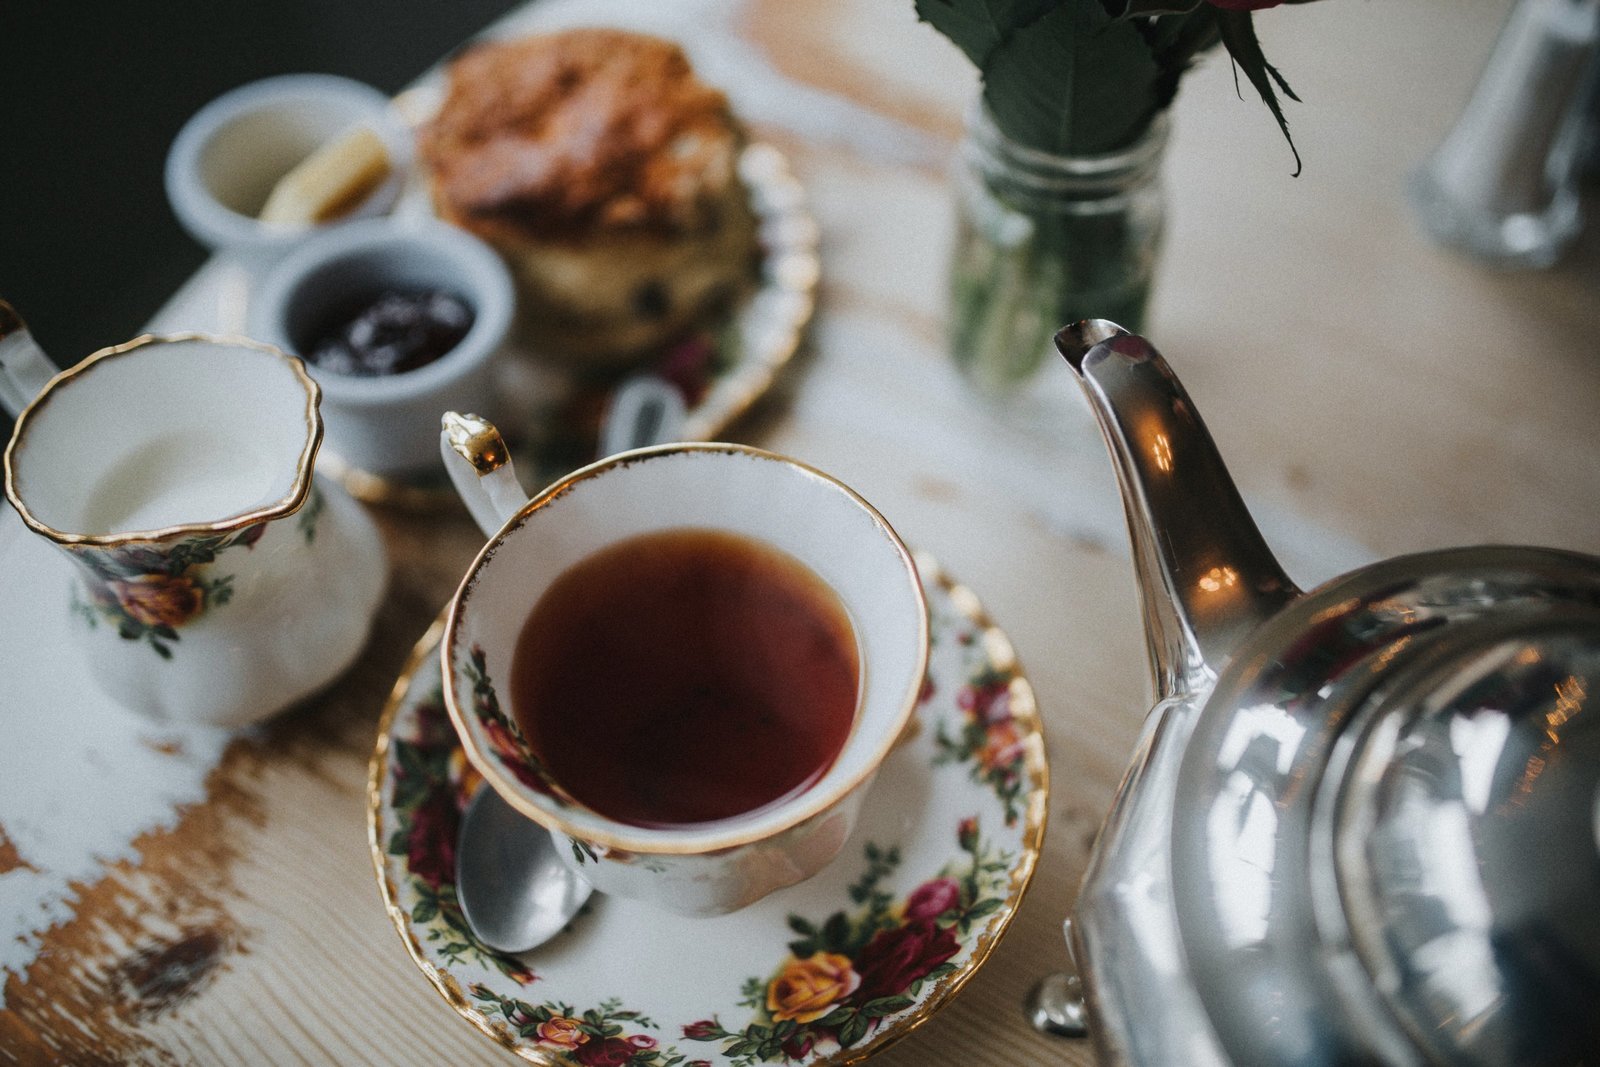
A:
(218, 581)
(702, 868)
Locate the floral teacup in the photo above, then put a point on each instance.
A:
(217, 580)
(705, 868)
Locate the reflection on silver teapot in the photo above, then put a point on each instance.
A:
(1362, 824)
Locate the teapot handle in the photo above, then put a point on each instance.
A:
(24, 368)
(481, 470)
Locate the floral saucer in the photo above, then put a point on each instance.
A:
(825, 972)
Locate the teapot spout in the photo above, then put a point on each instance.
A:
(1206, 577)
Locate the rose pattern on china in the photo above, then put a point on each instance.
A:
(599, 1037)
(988, 737)
(932, 899)
(562, 1031)
(156, 600)
(506, 739)
(148, 591)
(808, 989)
(847, 974)
(432, 784)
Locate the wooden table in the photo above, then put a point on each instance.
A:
(1372, 393)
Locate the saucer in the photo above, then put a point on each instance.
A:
(825, 972)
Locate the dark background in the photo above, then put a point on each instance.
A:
(91, 95)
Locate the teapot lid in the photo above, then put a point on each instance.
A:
(1466, 845)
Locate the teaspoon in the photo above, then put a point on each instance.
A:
(514, 890)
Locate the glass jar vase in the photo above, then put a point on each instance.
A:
(1043, 240)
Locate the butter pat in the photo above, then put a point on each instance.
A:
(330, 182)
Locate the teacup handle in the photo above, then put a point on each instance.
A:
(480, 468)
(24, 368)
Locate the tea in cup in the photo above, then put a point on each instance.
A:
(218, 581)
(687, 662)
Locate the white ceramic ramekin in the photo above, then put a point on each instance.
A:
(229, 155)
(389, 425)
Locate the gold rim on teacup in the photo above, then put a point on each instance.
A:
(288, 504)
(808, 805)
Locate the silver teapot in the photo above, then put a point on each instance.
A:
(1362, 824)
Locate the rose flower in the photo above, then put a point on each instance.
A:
(159, 599)
(606, 1052)
(431, 846)
(561, 1031)
(932, 899)
(808, 989)
(894, 959)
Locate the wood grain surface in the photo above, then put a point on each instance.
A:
(1372, 393)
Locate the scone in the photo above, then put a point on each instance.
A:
(605, 172)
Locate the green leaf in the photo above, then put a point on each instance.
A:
(409, 792)
(803, 948)
(1239, 36)
(984, 907)
(836, 932)
(425, 910)
(877, 1009)
(977, 27)
(1126, 9)
(409, 757)
(1176, 42)
(836, 1017)
(454, 920)
(801, 926)
(1076, 82)
(853, 1031)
